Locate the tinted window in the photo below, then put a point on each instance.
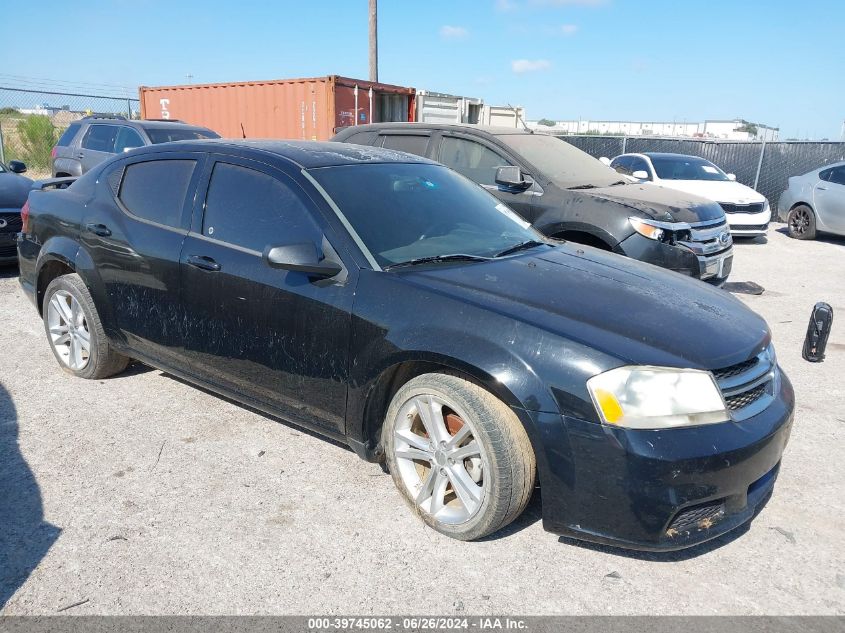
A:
(403, 211)
(473, 160)
(639, 164)
(166, 135)
(622, 165)
(68, 134)
(252, 209)
(361, 138)
(155, 190)
(100, 138)
(837, 175)
(825, 175)
(127, 138)
(411, 143)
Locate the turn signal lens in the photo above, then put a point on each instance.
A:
(645, 229)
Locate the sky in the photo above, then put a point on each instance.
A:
(776, 62)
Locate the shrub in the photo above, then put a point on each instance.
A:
(36, 136)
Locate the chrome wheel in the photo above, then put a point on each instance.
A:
(441, 462)
(800, 221)
(69, 330)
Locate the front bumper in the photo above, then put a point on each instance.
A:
(713, 268)
(659, 489)
(747, 224)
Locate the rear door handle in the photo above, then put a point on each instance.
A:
(98, 229)
(203, 262)
(80, 155)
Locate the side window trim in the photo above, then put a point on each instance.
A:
(190, 195)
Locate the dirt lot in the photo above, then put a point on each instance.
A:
(144, 495)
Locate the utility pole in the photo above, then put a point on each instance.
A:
(373, 40)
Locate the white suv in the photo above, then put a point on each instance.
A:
(747, 211)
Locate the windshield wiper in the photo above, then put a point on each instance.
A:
(519, 247)
(619, 182)
(583, 187)
(455, 257)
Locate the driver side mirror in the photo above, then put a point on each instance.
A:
(17, 167)
(604, 160)
(641, 174)
(731, 176)
(303, 258)
(513, 178)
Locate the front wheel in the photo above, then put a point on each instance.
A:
(458, 455)
(75, 332)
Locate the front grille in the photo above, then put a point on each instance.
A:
(14, 224)
(708, 238)
(742, 400)
(735, 370)
(702, 516)
(755, 207)
(749, 386)
(749, 227)
(8, 250)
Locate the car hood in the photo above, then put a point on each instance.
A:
(13, 190)
(658, 203)
(718, 190)
(626, 309)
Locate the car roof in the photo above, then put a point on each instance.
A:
(305, 154)
(455, 127)
(143, 123)
(669, 155)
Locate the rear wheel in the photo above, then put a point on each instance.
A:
(75, 332)
(458, 455)
(801, 223)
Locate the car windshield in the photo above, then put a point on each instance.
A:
(686, 168)
(165, 135)
(404, 212)
(559, 161)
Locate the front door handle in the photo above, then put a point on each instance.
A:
(80, 155)
(203, 262)
(98, 229)
(822, 188)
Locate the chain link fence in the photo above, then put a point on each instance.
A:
(31, 121)
(765, 167)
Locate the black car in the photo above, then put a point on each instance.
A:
(14, 188)
(387, 302)
(567, 194)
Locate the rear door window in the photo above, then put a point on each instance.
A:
(68, 135)
(252, 209)
(100, 138)
(473, 160)
(127, 138)
(155, 190)
(837, 175)
(411, 143)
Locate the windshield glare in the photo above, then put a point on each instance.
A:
(404, 212)
(686, 168)
(562, 163)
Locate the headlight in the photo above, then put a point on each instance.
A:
(657, 397)
(646, 229)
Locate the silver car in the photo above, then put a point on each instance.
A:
(815, 202)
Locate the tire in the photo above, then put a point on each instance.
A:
(801, 223)
(71, 322)
(474, 480)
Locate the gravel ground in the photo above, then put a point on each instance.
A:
(143, 495)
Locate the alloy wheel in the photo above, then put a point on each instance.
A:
(69, 330)
(800, 221)
(441, 462)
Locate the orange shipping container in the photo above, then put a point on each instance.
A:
(309, 109)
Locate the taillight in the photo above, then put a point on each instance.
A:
(53, 152)
(25, 217)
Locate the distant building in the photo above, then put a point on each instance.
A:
(735, 130)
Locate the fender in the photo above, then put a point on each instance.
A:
(73, 255)
(560, 226)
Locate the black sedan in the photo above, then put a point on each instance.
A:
(388, 302)
(14, 189)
